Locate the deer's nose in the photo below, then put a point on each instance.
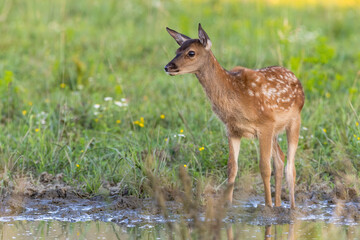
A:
(170, 66)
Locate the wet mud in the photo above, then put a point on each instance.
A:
(51, 199)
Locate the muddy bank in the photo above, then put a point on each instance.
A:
(49, 198)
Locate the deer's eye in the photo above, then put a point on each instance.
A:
(191, 53)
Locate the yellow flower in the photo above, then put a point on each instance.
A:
(96, 119)
(62, 85)
(181, 131)
(166, 139)
(37, 130)
(118, 121)
(77, 165)
(324, 130)
(357, 124)
(142, 119)
(327, 95)
(30, 103)
(24, 112)
(358, 138)
(162, 116)
(201, 149)
(136, 122)
(185, 165)
(141, 124)
(355, 136)
(82, 151)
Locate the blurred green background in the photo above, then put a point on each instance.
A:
(83, 91)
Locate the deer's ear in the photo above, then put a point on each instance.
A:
(179, 38)
(204, 38)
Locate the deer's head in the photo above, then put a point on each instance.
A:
(191, 55)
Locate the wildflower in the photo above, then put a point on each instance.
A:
(82, 151)
(181, 131)
(96, 120)
(357, 124)
(47, 100)
(121, 103)
(141, 124)
(355, 136)
(37, 130)
(327, 95)
(185, 166)
(166, 139)
(77, 165)
(30, 103)
(142, 120)
(118, 121)
(181, 135)
(108, 99)
(201, 149)
(62, 85)
(24, 112)
(162, 116)
(358, 138)
(324, 130)
(305, 128)
(97, 106)
(136, 122)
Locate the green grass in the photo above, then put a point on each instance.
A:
(60, 58)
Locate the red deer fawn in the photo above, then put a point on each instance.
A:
(252, 104)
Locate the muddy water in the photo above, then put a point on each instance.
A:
(108, 230)
(94, 219)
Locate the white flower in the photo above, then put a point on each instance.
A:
(123, 99)
(108, 99)
(97, 106)
(181, 135)
(305, 128)
(121, 104)
(96, 113)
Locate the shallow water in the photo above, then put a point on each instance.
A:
(108, 230)
(93, 219)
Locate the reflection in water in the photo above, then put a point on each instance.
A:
(108, 230)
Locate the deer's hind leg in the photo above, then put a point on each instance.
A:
(278, 163)
(265, 141)
(292, 132)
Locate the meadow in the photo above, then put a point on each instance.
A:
(83, 91)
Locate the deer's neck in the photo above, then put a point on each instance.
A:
(214, 79)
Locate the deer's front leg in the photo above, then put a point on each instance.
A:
(265, 141)
(234, 148)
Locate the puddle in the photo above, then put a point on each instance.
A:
(109, 230)
(128, 219)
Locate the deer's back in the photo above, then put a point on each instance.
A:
(269, 94)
